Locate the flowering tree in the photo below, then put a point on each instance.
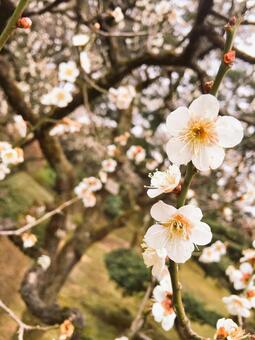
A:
(101, 94)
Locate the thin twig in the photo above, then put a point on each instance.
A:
(23, 326)
(39, 220)
(11, 24)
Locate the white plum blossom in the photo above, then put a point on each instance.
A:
(89, 199)
(199, 135)
(228, 214)
(85, 62)
(88, 184)
(250, 295)
(237, 305)
(44, 261)
(122, 338)
(122, 139)
(164, 181)
(12, 156)
(136, 153)
(29, 240)
(68, 71)
(122, 96)
(240, 277)
(227, 329)
(20, 125)
(111, 150)
(162, 7)
(65, 125)
(162, 309)
(80, 39)
(213, 253)
(59, 96)
(4, 170)
(85, 190)
(177, 230)
(156, 258)
(109, 165)
(209, 255)
(117, 14)
(248, 256)
(103, 176)
(220, 247)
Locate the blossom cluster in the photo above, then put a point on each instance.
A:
(9, 156)
(243, 280)
(196, 135)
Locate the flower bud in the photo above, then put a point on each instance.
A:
(229, 57)
(178, 188)
(97, 26)
(232, 21)
(208, 86)
(24, 22)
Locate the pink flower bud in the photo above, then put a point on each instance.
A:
(24, 22)
(229, 57)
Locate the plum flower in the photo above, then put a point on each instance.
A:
(240, 277)
(164, 181)
(136, 153)
(109, 165)
(209, 255)
(156, 258)
(177, 230)
(162, 309)
(68, 71)
(199, 135)
(227, 329)
(237, 305)
(250, 295)
(213, 253)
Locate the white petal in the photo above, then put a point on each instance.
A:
(208, 158)
(156, 236)
(191, 212)
(161, 211)
(168, 321)
(159, 294)
(179, 250)
(205, 106)
(201, 160)
(201, 234)
(154, 192)
(157, 312)
(178, 152)
(216, 156)
(177, 120)
(229, 131)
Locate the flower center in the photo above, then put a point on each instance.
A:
(61, 96)
(200, 132)
(167, 304)
(250, 293)
(221, 333)
(178, 226)
(246, 277)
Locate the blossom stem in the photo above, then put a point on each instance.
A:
(11, 24)
(224, 68)
(191, 170)
(183, 320)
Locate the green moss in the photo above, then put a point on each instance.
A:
(46, 176)
(197, 312)
(127, 269)
(113, 206)
(19, 192)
